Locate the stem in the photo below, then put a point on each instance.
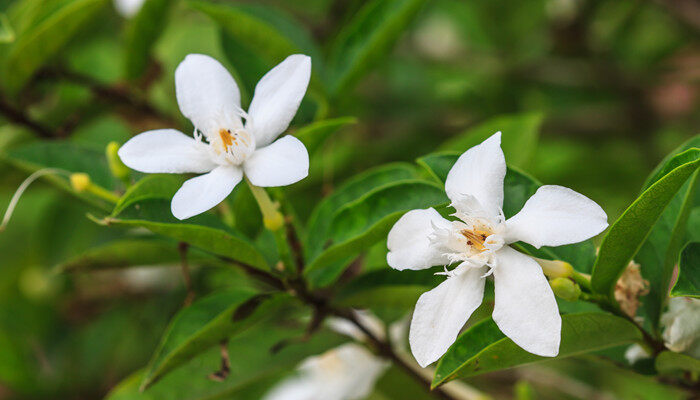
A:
(583, 280)
(183, 247)
(103, 193)
(272, 218)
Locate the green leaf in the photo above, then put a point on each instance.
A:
(7, 34)
(204, 324)
(659, 253)
(42, 41)
(688, 283)
(387, 288)
(668, 362)
(254, 368)
(319, 224)
(256, 37)
(484, 348)
(126, 253)
(142, 32)
(156, 186)
(147, 205)
(366, 38)
(517, 189)
(520, 133)
(629, 232)
(365, 221)
(316, 133)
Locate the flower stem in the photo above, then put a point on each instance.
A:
(583, 280)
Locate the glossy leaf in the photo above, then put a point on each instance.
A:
(366, 38)
(520, 133)
(315, 134)
(147, 205)
(659, 254)
(322, 216)
(42, 41)
(668, 361)
(141, 34)
(204, 324)
(483, 348)
(367, 220)
(254, 368)
(387, 288)
(628, 233)
(133, 252)
(688, 283)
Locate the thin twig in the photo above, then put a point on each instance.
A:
(182, 247)
(222, 373)
(19, 117)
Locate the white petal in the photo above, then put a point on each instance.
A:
(479, 172)
(361, 371)
(293, 388)
(409, 241)
(199, 194)
(277, 98)
(207, 94)
(282, 163)
(525, 308)
(165, 151)
(555, 216)
(442, 312)
(128, 8)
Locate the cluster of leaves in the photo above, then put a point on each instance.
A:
(244, 301)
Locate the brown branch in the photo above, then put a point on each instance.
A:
(182, 247)
(222, 373)
(114, 95)
(19, 117)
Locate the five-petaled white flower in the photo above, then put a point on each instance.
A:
(347, 372)
(525, 307)
(209, 97)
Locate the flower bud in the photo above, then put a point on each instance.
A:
(116, 166)
(80, 181)
(555, 268)
(273, 221)
(565, 289)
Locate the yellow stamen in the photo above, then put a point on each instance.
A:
(476, 238)
(226, 138)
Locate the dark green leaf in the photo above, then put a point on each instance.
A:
(141, 34)
(668, 361)
(629, 232)
(688, 283)
(316, 133)
(483, 347)
(42, 41)
(321, 218)
(387, 288)
(147, 205)
(365, 221)
(126, 253)
(204, 324)
(366, 38)
(520, 133)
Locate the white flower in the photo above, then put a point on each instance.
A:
(209, 97)
(347, 372)
(128, 8)
(635, 353)
(525, 307)
(682, 325)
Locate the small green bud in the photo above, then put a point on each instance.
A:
(273, 221)
(80, 181)
(565, 288)
(116, 166)
(555, 268)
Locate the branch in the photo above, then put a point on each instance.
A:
(19, 117)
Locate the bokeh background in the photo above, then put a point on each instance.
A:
(601, 89)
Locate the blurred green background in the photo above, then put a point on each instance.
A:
(602, 90)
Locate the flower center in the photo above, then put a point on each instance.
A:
(232, 146)
(476, 238)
